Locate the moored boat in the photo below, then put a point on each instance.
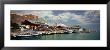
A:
(23, 35)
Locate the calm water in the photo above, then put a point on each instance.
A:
(71, 36)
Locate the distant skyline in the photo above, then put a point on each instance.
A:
(67, 17)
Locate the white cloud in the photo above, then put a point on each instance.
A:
(79, 18)
(65, 16)
(93, 13)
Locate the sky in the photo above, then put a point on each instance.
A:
(67, 17)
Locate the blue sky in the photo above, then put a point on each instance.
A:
(67, 17)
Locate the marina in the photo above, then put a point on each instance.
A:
(31, 32)
(28, 28)
(31, 26)
(69, 36)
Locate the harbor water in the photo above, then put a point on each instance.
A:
(70, 36)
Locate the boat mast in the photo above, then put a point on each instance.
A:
(60, 20)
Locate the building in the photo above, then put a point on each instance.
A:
(35, 26)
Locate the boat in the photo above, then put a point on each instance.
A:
(35, 34)
(40, 32)
(74, 31)
(83, 30)
(25, 35)
(70, 31)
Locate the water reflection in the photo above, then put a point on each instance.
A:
(71, 36)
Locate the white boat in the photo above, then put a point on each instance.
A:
(24, 35)
(27, 33)
(84, 30)
(40, 32)
(35, 33)
(80, 30)
(70, 31)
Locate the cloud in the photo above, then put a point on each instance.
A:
(93, 16)
(72, 16)
(90, 16)
(93, 13)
